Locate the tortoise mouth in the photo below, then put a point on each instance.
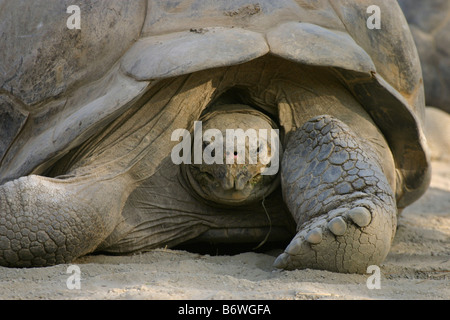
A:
(240, 191)
(212, 187)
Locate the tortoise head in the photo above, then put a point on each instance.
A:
(240, 156)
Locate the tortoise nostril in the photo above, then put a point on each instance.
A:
(239, 184)
(227, 183)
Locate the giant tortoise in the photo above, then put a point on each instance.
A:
(91, 118)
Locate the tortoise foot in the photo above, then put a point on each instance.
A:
(344, 240)
(337, 192)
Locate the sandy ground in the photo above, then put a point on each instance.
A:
(418, 267)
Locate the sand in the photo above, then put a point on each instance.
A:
(417, 267)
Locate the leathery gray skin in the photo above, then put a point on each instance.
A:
(344, 206)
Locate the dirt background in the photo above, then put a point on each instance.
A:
(418, 267)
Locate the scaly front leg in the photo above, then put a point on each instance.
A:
(335, 188)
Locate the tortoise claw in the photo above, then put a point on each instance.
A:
(344, 240)
(360, 215)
